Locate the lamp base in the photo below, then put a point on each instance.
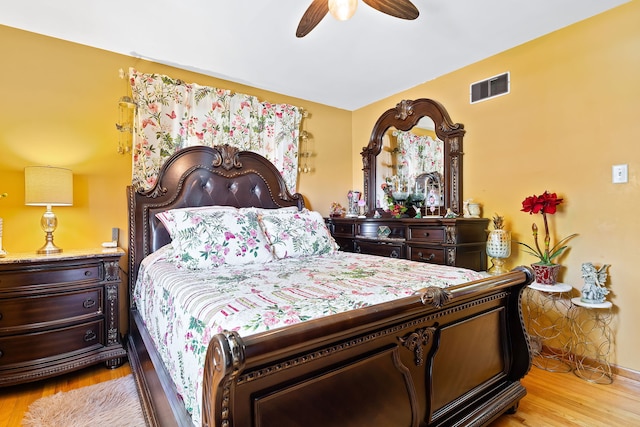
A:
(49, 247)
(497, 266)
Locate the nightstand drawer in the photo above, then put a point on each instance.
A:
(68, 274)
(44, 310)
(431, 255)
(426, 234)
(380, 248)
(44, 345)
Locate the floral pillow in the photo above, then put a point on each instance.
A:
(297, 233)
(168, 218)
(209, 238)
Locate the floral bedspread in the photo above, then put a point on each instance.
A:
(183, 309)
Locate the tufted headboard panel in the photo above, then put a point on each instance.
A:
(202, 176)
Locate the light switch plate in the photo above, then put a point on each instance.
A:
(619, 174)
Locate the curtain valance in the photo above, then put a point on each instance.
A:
(171, 115)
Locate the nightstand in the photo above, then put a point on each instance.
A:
(59, 313)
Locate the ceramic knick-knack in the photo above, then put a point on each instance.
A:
(471, 209)
(594, 290)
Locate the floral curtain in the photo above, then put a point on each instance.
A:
(172, 115)
(418, 154)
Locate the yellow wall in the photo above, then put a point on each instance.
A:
(572, 113)
(59, 107)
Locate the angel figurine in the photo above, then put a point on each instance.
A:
(594, 290)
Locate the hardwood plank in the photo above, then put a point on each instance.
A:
(563, 399)
(553, 399)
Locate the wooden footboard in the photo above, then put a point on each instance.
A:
(439, 358)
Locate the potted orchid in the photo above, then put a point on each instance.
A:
(546, 270)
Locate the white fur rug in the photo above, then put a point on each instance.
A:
(111, 403)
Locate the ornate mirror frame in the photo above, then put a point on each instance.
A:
(405, 116)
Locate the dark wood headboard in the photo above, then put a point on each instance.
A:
(202, 176)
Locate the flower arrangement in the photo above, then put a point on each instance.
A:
(337, 210)
(545, 204)
(397, 210)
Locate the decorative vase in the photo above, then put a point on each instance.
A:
(499, 249)
(546, 274)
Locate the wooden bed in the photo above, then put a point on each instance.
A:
(449, 357)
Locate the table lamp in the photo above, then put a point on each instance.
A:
(48, 186)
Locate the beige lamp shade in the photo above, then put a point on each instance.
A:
(48, 186)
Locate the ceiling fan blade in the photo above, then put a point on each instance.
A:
(312, 17)
(403, 9)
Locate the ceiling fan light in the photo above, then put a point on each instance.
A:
(342, 9)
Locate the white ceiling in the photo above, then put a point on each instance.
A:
(341, 64)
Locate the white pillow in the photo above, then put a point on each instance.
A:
(296, 233)
(209, 238)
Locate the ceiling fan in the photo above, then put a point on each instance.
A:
(318, 9)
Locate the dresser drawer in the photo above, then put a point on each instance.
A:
(431, 255)
(380, 248)
(64, 274)
(43, 345)
(39, 311)
(426, 234)
(343, 229)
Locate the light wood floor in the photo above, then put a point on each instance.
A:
(553, 399)
(15, 400)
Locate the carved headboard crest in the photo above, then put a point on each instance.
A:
(227, 157)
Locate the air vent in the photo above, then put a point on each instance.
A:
(490, 88)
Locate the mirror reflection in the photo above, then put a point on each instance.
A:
(410, 167)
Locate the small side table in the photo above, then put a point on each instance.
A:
(592, 340)
(547, 307)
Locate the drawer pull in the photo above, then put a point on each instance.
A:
(0, 316)
(425, 234)
(88, 303)
(429, 258)
(87, 273)
(89, 336)
(1, 353)
(394, 254)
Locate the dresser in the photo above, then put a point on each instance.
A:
(59, 313)
(459, 242)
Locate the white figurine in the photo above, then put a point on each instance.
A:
(594, 290)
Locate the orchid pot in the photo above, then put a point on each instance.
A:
(546, 274)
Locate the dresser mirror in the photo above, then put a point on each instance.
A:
(415, 151)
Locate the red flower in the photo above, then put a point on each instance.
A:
(545, 204)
